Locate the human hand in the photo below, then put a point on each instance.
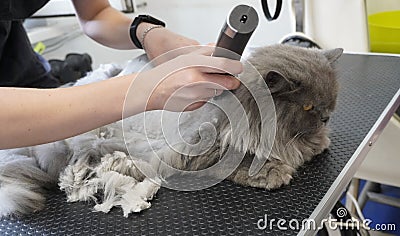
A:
(188, 81)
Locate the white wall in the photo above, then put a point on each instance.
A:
(202, 20)
(198, 19)
(338, 23)
(375, 6)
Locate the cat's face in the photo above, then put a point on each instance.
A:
(304, 88)
(303, 84)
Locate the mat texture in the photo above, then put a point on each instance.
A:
(368, 84)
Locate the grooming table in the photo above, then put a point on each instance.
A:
(369, 95)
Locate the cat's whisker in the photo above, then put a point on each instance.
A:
(298, 135)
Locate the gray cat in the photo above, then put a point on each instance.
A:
(304, 87)
(302, 84)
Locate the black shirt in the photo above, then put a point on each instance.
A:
(20, 66)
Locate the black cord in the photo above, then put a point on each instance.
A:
(346, 217)
(267, 14)
(323, 231)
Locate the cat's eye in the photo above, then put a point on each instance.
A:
(308, 107)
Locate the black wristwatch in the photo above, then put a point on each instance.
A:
(139, 19)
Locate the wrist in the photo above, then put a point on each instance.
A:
(141, 28)
(145, 33)
(139, 22)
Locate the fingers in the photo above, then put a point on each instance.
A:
(197, 92)
(190, 80)
(209, 64)
(209, 93)
(221, 81)
(194, 106)
(215, 81)
(222, 66)
(204, 50)
(201, 57)
(189, 100)
(205, 69)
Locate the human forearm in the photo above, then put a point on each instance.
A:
(103, 23)
(161, 40)
(39, 116)
(110, 27)
(36, 116)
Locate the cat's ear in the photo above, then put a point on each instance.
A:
(333, 54)
(277, 83)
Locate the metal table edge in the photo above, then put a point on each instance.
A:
(334, 192)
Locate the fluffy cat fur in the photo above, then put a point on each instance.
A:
(303, 86)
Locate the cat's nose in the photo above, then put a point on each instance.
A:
(325, 119)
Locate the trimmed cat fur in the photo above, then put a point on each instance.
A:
(303, 86)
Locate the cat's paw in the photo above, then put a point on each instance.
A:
(274, 178)
(273, 175)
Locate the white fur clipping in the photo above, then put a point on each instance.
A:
(118, 179)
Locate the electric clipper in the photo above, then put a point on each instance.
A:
(236, 32)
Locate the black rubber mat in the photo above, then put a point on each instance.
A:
(368, 84)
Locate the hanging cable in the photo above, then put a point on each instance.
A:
(267, 13)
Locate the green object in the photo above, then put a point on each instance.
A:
(384, 32)
(39, 48)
